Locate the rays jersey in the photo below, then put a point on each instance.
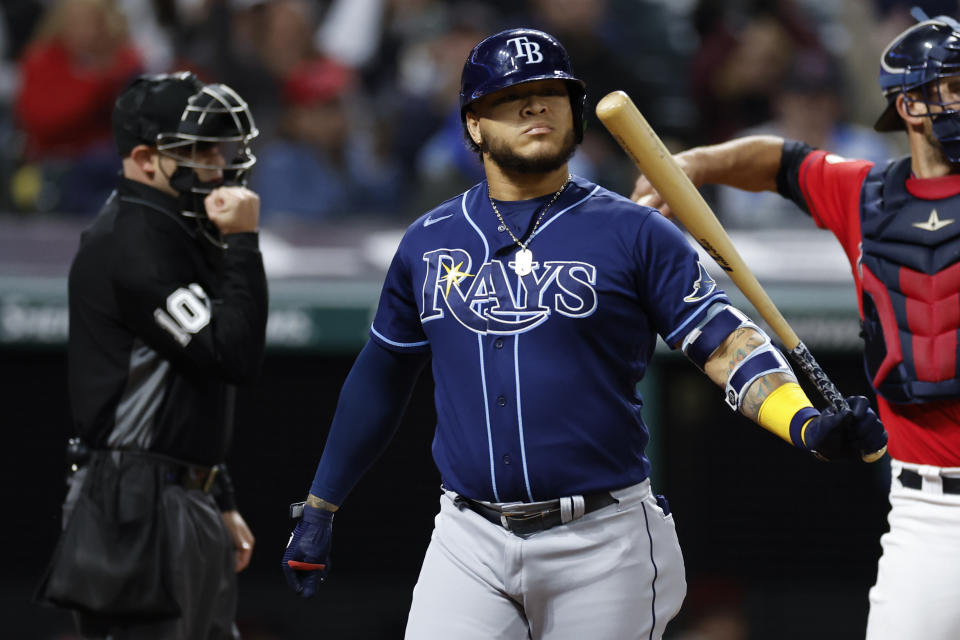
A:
(535, 375)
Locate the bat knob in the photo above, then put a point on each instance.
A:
(876, 455)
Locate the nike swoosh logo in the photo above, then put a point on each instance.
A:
(429, 221)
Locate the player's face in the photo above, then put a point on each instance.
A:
(527, 127)
(208, 162)
(950, 92)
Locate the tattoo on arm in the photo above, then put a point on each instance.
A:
(759, 390)
(725, 359)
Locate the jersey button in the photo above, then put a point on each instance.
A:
(498, 344)
(506, 458)
(502, 401)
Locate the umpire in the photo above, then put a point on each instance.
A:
(168, 308)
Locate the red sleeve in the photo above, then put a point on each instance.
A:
(831, 188)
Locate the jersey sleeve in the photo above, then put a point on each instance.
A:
(827, 186)
(674, 286)
(396, 325)
(160, 297)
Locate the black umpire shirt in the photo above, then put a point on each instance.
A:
(163, 324)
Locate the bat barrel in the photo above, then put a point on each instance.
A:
(632, 131)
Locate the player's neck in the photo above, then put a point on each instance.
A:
(928, 161)
(511, 185)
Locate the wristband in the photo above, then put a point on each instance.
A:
(786, 411)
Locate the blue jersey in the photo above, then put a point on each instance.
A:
(535, 375)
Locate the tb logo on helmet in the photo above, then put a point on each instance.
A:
(526, 49)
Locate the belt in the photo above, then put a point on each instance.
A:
(522, 521)
(191, 476)
(913, 480)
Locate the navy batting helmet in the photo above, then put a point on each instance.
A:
(927, 51)
(514, 57)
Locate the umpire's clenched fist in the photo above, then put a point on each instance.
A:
(233, 209)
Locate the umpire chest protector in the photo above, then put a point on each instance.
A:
(910, 270)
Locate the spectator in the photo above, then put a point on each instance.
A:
(808, 106)
(16, 19)
(71, 72)
(427, 97)
(252, 45)
(322, 165)
(746, 47)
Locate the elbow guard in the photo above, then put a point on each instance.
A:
(763, 360)
(713, 330)
(721, 320)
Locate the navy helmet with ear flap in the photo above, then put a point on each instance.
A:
(516, 56)
(923, 53)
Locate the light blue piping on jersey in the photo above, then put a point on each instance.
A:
(523, 448)
(483, 373)
(397, 344)
(670, 339)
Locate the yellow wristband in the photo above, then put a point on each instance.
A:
(779, 409)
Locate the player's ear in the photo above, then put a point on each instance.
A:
(910, 110)
(144, 156)
(473, 128)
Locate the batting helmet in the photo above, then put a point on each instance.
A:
(927, 51)
(516, 56)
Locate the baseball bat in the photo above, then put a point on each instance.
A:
(621, 117)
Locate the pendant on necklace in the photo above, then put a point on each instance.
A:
(523, 262)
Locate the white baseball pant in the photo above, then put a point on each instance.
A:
(917, 594)
(616, 573)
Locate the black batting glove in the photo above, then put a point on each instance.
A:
(306, 560)
(850, 434)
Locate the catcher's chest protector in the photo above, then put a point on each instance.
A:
(910, 269)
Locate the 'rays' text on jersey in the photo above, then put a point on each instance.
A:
(487, 300)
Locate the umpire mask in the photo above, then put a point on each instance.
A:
(185, 118)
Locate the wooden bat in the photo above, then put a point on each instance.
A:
(625, 122)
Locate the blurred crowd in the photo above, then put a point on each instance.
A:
(356, 100)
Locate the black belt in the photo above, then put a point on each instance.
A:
(913, 480)
(531, 523)
(191, 476)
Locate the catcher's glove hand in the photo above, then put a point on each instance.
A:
(306, 560)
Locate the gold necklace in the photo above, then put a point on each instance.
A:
(523, 261)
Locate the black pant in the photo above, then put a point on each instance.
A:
(202, 576)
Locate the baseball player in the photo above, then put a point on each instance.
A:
(538, 296)
(897, 222)
(168, 308)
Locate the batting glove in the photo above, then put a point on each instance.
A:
(849, 434)
(307, 558)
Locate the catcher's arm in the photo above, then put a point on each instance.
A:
(750, 163)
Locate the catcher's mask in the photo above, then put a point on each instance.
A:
(917, 60)
(184, 119)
